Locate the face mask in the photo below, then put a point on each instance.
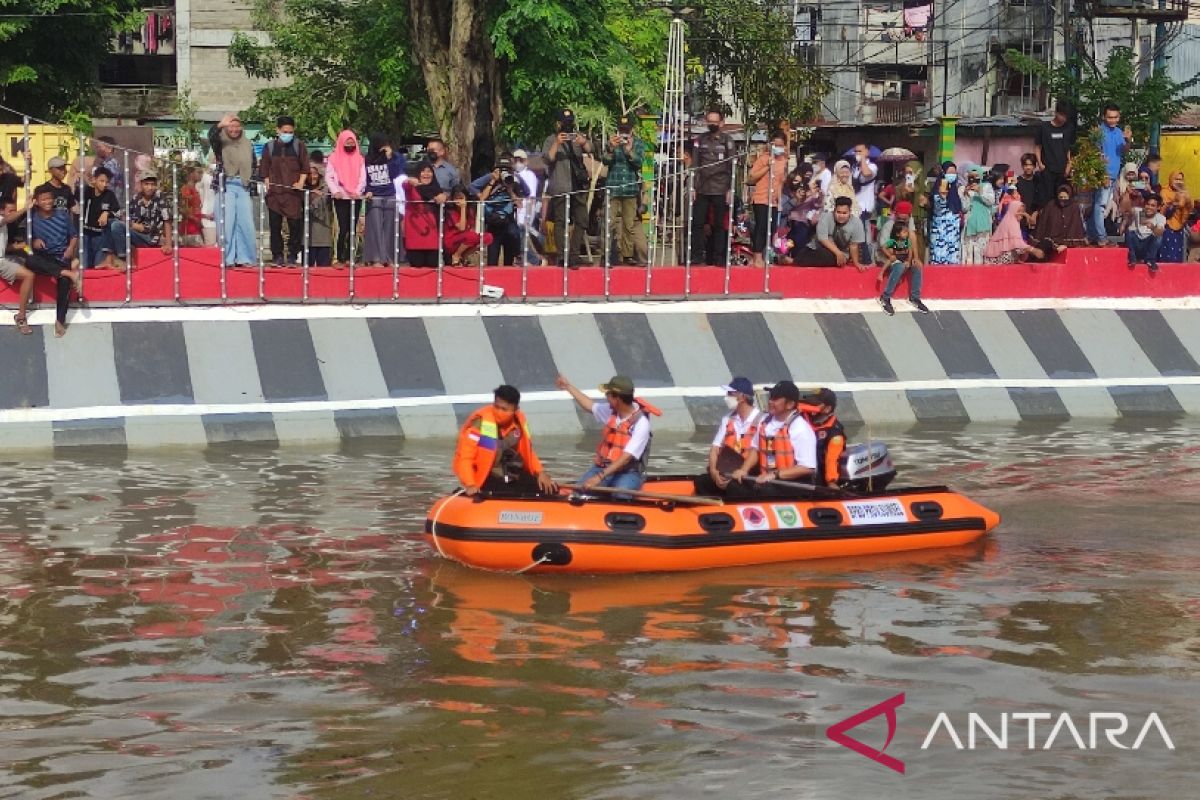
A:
(349, 148)
(951, 177)
(910, 180)
(713, 128)
(434, 157)
(1064, 203)
(731, 402)
(503, 417)
(286, 138)
(521, 166)
(776, 150)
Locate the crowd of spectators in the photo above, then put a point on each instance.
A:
(371, 206)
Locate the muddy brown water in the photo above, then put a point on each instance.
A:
(266, 623)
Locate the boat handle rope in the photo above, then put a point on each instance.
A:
(437, 544)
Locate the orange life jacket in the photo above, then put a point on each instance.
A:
(831, 441)
(617, 434)
(777, 447)
(479, 443)
(743, 444)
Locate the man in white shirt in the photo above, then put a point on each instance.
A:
(864, 174)
(528, 206)
(734, 440)
(1143, 236)
(625, 444)
(785, 449)
(821, 173)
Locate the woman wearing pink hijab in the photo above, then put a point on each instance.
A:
(1007, 243)
(346, 177)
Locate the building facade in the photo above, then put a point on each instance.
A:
(909, 61)
(182, 44)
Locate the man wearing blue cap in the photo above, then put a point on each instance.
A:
(734, 441)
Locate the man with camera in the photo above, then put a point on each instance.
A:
(624, 160)
(500, 191)
(567, 183)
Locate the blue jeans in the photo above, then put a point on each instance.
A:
(631, 479)
(1096, 222)
(1143, 250)
(896, 273)
(110, 239)
(240, 245)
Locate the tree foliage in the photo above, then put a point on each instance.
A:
(751, 44)
(1088, 88)
(51, 51)
(347, 63)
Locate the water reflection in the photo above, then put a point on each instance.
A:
(265, 622)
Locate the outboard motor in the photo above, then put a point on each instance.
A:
(866, 468)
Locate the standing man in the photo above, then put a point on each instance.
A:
(444, 172)
(785, 448)
(495, 451)
(625, 444)
(624, 160)
(712, 157)
(1031, 185)
(734, 441)
(568, 178)
(863, 177)
(106, 156)
(1052, 148)
(64, 196)
(236, 156)
(821, 173)
(1113, 143)
(284, 169)
(529, 206)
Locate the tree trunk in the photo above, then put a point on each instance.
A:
(454, 51)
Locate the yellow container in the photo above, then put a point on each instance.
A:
(1180, 151)
(45, 142)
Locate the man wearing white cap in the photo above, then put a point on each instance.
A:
(733, 444)
(529, 206)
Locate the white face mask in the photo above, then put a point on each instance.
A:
(731, 402)
(776, 150)
(521, 166)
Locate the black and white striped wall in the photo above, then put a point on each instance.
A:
(194, 376)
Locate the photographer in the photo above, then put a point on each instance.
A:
(500, 190)
(567, 183)
(623, 157)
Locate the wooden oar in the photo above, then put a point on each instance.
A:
(672, 498)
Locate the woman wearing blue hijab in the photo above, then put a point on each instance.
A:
(945, 239)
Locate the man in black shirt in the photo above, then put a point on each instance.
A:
(103, 232)
(1052, 146)
(1031, 187)
(64, 195)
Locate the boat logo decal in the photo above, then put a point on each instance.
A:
(788, 516)
(520, 517)
(875, 512)
(754, 518)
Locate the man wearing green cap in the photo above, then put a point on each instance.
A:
(625, 445)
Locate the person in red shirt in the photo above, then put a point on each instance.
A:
(191, 229)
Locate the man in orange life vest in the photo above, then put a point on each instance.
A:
(819, 407)
(785, 449)
(625, 444)
(495, 450)
(734, 439)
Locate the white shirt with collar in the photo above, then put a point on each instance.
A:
(804, 441)
(639, 437)
(740, 425)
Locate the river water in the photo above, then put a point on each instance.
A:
(262, 623)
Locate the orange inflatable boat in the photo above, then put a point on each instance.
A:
(571, 534)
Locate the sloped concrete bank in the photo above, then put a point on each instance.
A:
(197, 376)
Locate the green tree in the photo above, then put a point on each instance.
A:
(346, 64)
(751, 44)
(51, 51)
(475, 71)
(1088, 88)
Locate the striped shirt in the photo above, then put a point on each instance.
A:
(54, 230)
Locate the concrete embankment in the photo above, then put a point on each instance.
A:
(197, 376)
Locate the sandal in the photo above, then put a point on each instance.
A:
(23, 324)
